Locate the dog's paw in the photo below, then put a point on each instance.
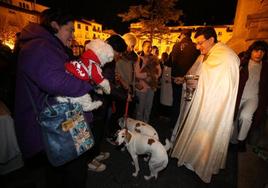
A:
(105, 85)
(146, 159)
(135, 174)
(147, 177)
(91, 106)
(99, 91)
(62, 99)
(124, 149)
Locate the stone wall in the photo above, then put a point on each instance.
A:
(251, 23)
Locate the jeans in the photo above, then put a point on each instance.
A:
(144, 105)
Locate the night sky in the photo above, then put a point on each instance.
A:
(196, 12)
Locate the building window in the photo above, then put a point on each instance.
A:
(20, 4)
(11, 12)
(78, 26)
(229, 29)
(86, 28)
(23, 5)
(87, 36)
(27, 6)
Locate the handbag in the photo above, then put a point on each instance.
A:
(66, 134)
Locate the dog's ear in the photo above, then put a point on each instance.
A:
(128, 136)
(138, 124)
(117, 132)
(150, 141)
(143, 124)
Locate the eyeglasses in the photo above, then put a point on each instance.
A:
(201, 43)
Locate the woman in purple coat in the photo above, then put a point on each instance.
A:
(41, 60)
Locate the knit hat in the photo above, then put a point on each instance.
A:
(117, 42)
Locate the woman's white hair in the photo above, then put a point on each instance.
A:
(103, 50)
(130, 39)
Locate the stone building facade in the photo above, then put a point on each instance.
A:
(251, 23)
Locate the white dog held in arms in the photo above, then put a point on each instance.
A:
(138, 144)
(88, 68)
(141, 127)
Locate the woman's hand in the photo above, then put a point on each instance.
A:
(117, 77)
(129, 97)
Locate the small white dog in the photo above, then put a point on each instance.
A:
(97, 54)
(138, 144)
(138, 126)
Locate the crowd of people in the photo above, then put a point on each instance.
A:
(229, 95)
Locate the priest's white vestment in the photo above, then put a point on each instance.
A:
(202, 134)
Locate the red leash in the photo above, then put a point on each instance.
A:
(126, 113)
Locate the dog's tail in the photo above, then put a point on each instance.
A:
(167, 146)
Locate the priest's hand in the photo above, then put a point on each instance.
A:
(178, 80)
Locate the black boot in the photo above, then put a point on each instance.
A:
(242, 147)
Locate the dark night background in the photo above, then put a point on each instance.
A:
(196, 12)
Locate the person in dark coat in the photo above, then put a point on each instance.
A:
(182, 57)
(252, 97)
(119, 94)
(102, 117)
(41, 61)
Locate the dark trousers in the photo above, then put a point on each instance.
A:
(98, 131)
(113, 126)
(157, 107)
(98, 128)
(73, 174)
(175, 110)
(38, 172)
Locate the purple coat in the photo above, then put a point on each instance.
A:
(41, 59)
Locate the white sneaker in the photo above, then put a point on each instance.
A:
(96, 166)
(102, 156)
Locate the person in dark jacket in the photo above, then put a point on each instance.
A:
(252, 97)
(102, 117)
(182, 57)
(119, 94)
(41, 61)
